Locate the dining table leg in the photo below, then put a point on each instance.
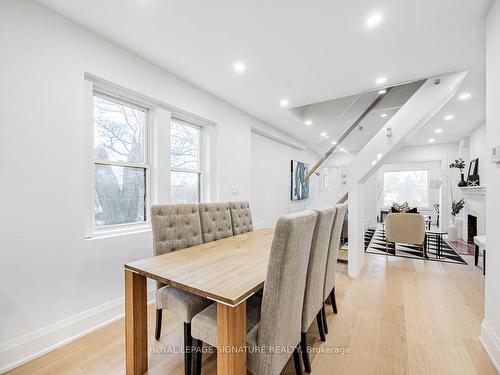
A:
(136, 324)
(231, 339)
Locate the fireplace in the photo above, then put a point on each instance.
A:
(474, 212)
(471, 228)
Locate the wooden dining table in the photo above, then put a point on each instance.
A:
(226, 271)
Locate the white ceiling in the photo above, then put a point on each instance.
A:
(307, 51)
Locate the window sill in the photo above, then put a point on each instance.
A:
(117, 232)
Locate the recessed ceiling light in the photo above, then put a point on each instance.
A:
(380, 80)
(437, 131)
(342, 149)
(334, 143)
(284, 102)
(383, 115)
(431, 140)
(323, 134)
(327, 136)
(308, 122)
(464, 96)
(239, 67)
(374, 162)
(379, 156)
(449, 117)
(382, 92)
(374, 19)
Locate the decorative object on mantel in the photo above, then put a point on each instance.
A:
(456, 207)
(460, 164)
(472, 175)
(474, 181)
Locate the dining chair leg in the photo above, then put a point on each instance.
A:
(333, 300)
(198, 352)
(305, 353)
(158, 323)
(325, 322)
(319, 320)
(296, 361)
(188, 349)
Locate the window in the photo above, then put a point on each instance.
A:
(185, 171)
(409, 186)
(120, 162)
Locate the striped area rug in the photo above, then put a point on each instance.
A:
(375, 244)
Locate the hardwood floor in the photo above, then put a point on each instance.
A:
(400, 316)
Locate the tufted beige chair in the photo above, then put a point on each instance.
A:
(331, 263)
(405, 228)
(315, 281)
(177, 227)
(215, 221)
(241, 217)
(276, 321)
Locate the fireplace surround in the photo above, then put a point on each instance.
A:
(474, 212)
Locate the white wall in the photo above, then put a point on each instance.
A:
(478, 149)
(271, 180)
(490, 334)
(49, 272)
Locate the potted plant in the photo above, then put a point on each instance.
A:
(459, 164)
(456, 207)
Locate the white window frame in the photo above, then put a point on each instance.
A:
(146, 165)
(200, 169)
(157, 136)
(420, 208)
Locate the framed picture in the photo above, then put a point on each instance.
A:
(472, 175)
(299, 187)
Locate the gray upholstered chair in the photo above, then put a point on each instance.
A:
(215, 221)
(177, 227)
(241, 217)
(315, 281)
(331, 263)
(280, 310)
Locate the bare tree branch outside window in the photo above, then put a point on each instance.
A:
(185, 163)
(119, 137)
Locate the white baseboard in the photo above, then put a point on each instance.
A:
(491, 343)
(258, 225)
(31, 345)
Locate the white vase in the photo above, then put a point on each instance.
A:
(452, 230)
(459, 222)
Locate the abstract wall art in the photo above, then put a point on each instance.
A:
(299, 187)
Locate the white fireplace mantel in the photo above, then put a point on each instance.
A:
(473, 191)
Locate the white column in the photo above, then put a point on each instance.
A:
(356, 230)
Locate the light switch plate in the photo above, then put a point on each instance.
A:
(495, 154)
(235, 190)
